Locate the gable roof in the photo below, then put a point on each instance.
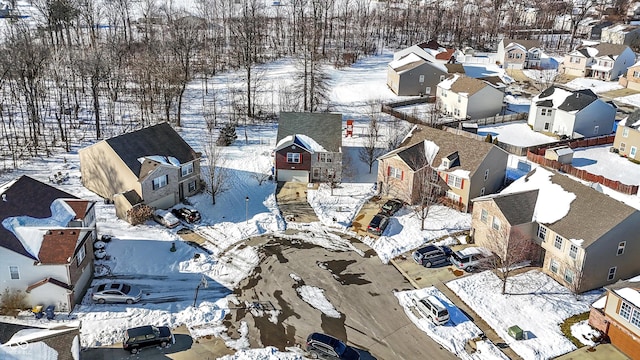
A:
(566, 100)
(160, 139)
(471, 152)
(407, 62)
(302, 141)
(48, 280)
(462, 84)
(527, 44)
(26, 197)
(455, 68)
(631, 121)
(324, 128)
(602, 49)
(59, 246)
(517, 207)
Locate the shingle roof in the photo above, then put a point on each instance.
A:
(471, 152)
(585, 220)
(469, 85)
(566, 100)
(517, 207)
(26, 197)
(324, 128)
(414, 156)
(59, 245)
(528, 44)
(160, 139)
(606, 49)
(455, 68)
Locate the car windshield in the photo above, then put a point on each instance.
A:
(340, 348)
(126, 289)
(457, 256)
(442, 313)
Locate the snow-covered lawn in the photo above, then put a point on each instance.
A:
(584, 332)
(600, 161)
(597, 86)
(516, 133)
(534, 302)
(633, 100)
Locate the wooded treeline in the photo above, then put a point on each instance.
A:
(79, 66)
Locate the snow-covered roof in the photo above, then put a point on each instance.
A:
(166, 160)
(446, 83)
(406, 60)
(600, 303)
(302, 140)
(630, 295)
(562, 150)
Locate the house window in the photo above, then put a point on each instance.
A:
(612, 273)
(546, 126)
(553, 266)
(573, 251)
(486, 174)
(568, 276)
(434, 175)
(575, 60)
(622, 146)
(395, 173)
(459, 98)
(636, 74)
(558, 242)
(596, 129)
(324, 157)
(635, 317)
(316, 173)
(484, 215)
(160, 182)
(293, 158)
(546, 112)
(454, 181)
(456, 111)
(15, 274)
(444, 93)
(542, 232)
(421, 78)
(191, 186)
(621, 246)
(453, 196)
(187, 169)
(445, 163)
(80, 255)
(625, 132)
(625, 310)
(496, 223)
(632, 152)
(441, 77)
(482, 192)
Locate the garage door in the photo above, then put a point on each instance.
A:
(293, 175)
(624, 342)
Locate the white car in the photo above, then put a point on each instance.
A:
(471, 258)
(116, 293)
(431, 308)
(166, 218)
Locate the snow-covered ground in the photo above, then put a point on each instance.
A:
(597, 86)
(516, 133)
(600, 161)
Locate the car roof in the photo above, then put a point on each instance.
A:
(141, 330)
(324, 338)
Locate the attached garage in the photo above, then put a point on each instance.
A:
(293, 175)
(625, 341)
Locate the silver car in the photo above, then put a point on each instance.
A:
(116, 293)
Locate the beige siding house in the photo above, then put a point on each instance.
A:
(463, 98)
(627, 140)
(459, 168)
(632, 79)
(519, 54)
(152, 166)
(581, 249)
(603, 61)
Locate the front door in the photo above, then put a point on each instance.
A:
(181, 192)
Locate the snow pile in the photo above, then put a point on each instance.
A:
(166, 160)
(534, 301)
(268, 353)
(584, 332)
(317, 234)
(340, 208)
(599, 160)
(315, 297)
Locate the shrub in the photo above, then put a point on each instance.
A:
(634, 161)
(11, 301)
(227, 135)
(495, 141)
(488, 138)
(139, 214)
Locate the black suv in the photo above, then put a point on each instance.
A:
(327, 347)
(391, 207)
(139, 337)
(378, 224)
(189, 215)
(432, 255)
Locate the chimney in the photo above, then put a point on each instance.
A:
(4, 197)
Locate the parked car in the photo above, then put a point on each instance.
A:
(378, 224)
(431, 255)
(327, 347)
(189, 215)
(391, 207)
(166, 218)
(116, 293)
(143, 336)
(470, 258)
(430, 307)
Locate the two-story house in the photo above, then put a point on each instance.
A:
(152, 166)
(571, 113)
(578, 246)
(621, 34)
(309, 147)
(519, 54)
(46, 243)
(463, 98)
(632, 78)
(627, 140)
(617, 315)
(459, 168)
(603, 61)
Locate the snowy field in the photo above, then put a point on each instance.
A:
(533, 301)
(597, 86)
(516, 133)
(600, 161)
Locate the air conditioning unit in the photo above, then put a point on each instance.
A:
(614, 150)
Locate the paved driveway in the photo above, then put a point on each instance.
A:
(360, 288)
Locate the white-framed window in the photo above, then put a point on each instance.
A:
(186, 169)
(421, 78)
(495, 224)
(553, 266)
(15, 272)
(453, 196)
(444, 92)
(625, 132)
(441, 77)
(80, 255)
(395, 173)
(568, 276)
(454, 181)
(575, 60)
(160, 182)
(612, 273)
(324, 157)
(546, 126)
(621, 246)
(596, 129)
(542, 232)
(558, 242)
(293, 158)
(459, 98)
(573, 251)
(445, 163)
(546, 112)
(486, 174)
(456, 111)
(484, 216)
(191, 187)
(636, 74)
(633, 151)
(625, 310)
(635, 317)
(434, 175)
(482, 190)
(622, 146)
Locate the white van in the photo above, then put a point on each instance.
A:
(433, 309)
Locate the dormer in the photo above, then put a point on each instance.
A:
(450, 160)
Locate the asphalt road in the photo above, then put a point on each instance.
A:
(360, 288)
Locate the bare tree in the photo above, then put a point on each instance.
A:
(511, 247)
(370, 151)
(426, 189)
(219, 176)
